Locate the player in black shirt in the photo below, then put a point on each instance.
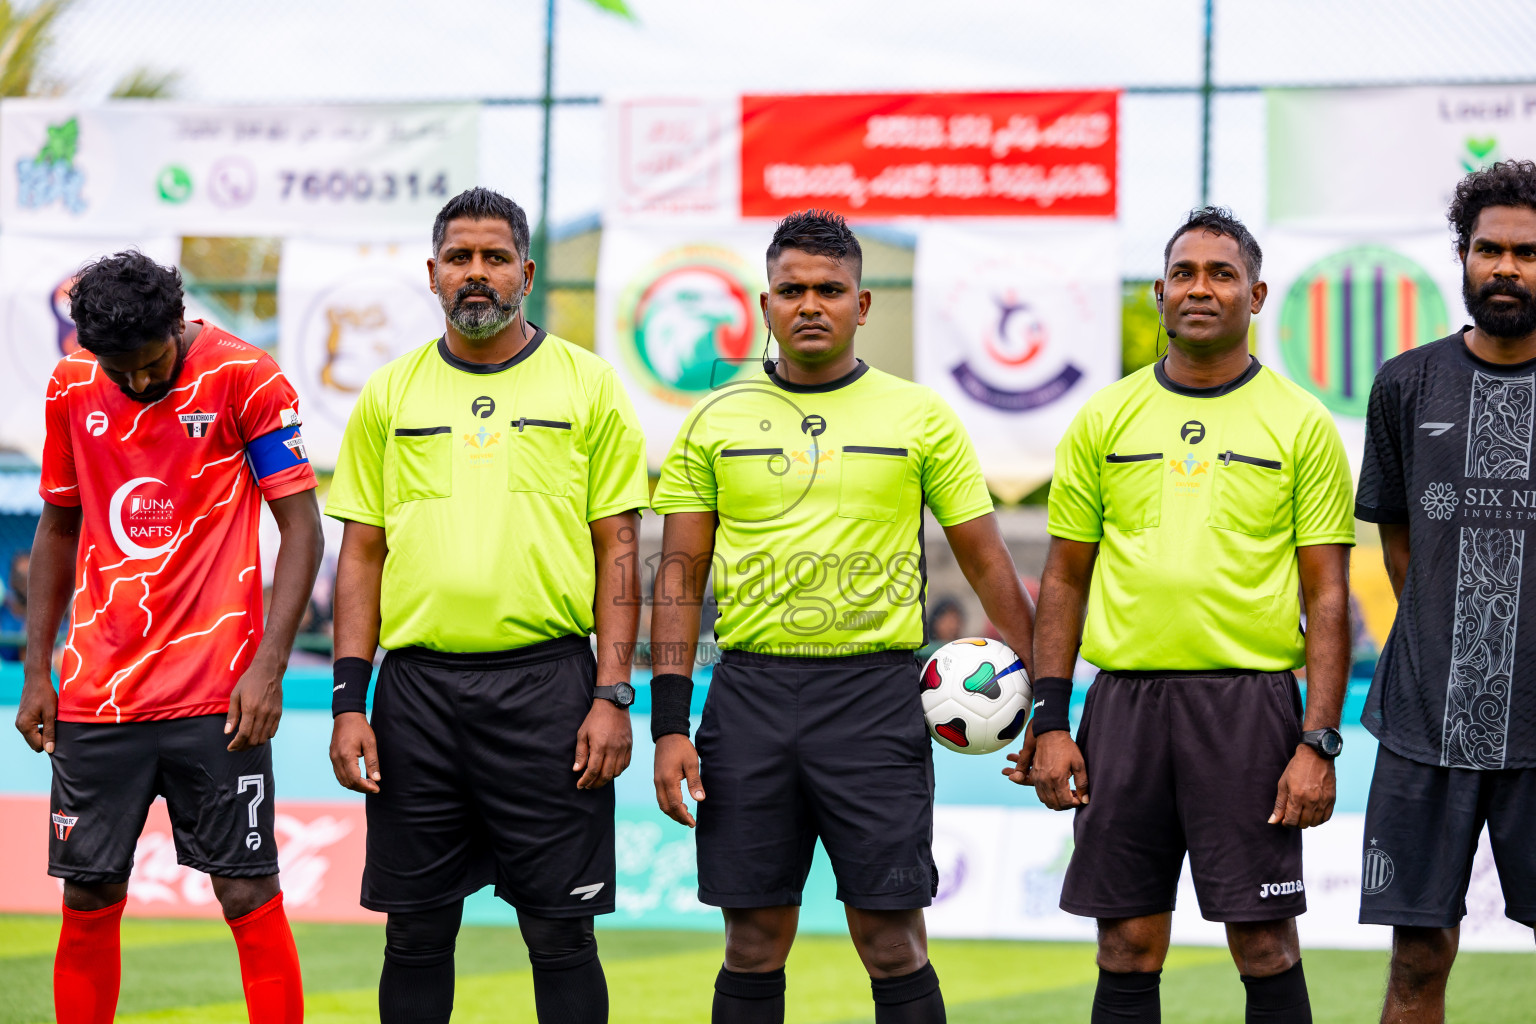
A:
(1448, 479)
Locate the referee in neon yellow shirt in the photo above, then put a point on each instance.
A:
(803, 487)
(1192, 501)
(489, 482)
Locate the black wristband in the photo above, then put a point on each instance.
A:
(351, 676)
(671, 698)
(1053, 698)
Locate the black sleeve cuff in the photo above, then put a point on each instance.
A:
(350, 692)
(671, 698)
(1053, 699)
(1372, 514)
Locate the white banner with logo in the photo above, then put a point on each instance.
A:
(1015, 327)
(678, 314)
(1001, 870)
(1349, 158)
(135, 166)
(35, 329)
(1340, 304)
(346, 309)
(673, 159)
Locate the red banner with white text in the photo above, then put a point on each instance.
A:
(931, 154)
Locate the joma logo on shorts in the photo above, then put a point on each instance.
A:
(1269, 889)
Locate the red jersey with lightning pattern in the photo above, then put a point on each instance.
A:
(167, 604)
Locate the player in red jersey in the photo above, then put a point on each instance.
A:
(163, 438)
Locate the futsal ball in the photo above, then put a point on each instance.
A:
(976, 695)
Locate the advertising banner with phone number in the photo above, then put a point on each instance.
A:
(137, 166)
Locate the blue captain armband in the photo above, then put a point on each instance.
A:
(272, 453)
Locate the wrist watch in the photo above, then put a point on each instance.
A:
(620, 695)
(1327, 742)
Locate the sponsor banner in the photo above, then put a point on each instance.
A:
(35, 329)
(1341, 304)
(1015, 328)
(1001, 871)
(378, 170)
(678, 314)
(346, 309)
(931, 154)
(320, 855)
(1344, 158)
(673, 159)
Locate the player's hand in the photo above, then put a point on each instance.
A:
(351, 739)
(602, 745)
(1019, 773)
(255, 705)
(38, 711)
(1306, 792)
(1056, 761)
(676, 761)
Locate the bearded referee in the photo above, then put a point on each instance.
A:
(1446, 477)
(804, 487)
(490, 482)
(1191, 502)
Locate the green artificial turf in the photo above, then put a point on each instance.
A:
(187, 971)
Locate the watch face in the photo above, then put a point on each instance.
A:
(623, 694)
(1331, 742)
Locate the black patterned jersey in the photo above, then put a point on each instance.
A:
(1448, 451)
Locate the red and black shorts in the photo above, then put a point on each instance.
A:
(1186, 762)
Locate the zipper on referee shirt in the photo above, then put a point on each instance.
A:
(421, 431)
(1112, 457)
(1228, 457)
(731, 453)
(864, 449)
(524, 421)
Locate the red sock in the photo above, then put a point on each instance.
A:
(269, 965)
(89, 965)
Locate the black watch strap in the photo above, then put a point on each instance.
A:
(621, 695)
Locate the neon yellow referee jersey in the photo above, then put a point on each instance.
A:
(1198, 499)
(484, 478)
(820, 492)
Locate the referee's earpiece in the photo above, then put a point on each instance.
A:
(1161, 322)
(769, 365)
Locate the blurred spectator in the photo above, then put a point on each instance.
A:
(13, 612)
(946, 621)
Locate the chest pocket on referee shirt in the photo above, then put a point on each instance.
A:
(423, 462)
(871, 482)
(1133, 490)
(542, 456)
(1246, 493)
(750, 483)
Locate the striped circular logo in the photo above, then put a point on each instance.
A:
(1377, 872)
(1350, 312)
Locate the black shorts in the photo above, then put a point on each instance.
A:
(796, 749)
(105, 776)
(1422, 825)
(475, 754)
(1186, 762)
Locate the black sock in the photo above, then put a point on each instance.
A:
(416, 985)
(568, 982)
(1280, 999)
(1130, 998)
(746, 998)
(909, 999)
